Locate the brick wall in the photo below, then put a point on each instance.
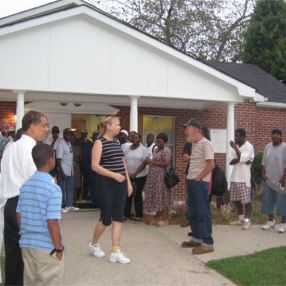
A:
(8, 110)
(259, 122)
(215, 118)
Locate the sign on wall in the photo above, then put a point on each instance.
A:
(218, 139)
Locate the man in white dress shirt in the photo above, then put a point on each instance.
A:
(17, 166)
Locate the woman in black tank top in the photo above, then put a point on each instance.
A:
(113, 184)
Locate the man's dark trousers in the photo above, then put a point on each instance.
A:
(14, 266)
(200, 214)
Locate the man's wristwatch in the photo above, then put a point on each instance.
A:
(57, 250)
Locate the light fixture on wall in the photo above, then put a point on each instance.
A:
(15, 117)
(63, 103)
(77, 104)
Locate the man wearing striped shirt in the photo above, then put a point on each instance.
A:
(198, 179)
(38, 215)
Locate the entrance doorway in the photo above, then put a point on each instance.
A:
(91, 123)
(156, 124)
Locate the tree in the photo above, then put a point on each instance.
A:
(205, 29)
(265, 38)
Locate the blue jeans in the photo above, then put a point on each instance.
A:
(272, 198)
(67, 187)
(199, 212)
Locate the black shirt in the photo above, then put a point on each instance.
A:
(187, 150)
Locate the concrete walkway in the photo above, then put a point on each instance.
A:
(157, 258)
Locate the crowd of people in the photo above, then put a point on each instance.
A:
(42, 178)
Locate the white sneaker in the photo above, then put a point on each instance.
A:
(96, 250)
(72, 209)
(269, 224)
(119, 257)
(64, 211)
(246, 224)
(282, 228)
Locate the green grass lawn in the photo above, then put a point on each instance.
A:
(267, 267)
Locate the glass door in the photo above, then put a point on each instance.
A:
(156, 124)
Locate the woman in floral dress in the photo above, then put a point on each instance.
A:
(157, 195)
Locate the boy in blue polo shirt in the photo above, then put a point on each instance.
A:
(38, 215)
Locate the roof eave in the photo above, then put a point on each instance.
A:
(275, 105)
(38, 11)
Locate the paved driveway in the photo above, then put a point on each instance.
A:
(157, 258)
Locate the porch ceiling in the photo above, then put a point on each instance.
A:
(9, 95)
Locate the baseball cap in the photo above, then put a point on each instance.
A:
(125, 132)
(195, 123)
(67, 130)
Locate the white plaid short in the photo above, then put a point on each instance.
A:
(240, 192)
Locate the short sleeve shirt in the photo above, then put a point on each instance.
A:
(40, 200)
(151, 149)
(201, 152)
(241, 172)
(274, 162)
(134, 159)
(64, 152)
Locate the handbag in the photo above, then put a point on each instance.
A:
(171, 179)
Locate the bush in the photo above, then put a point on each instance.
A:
(256, 169)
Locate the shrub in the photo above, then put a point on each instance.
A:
(256, 169)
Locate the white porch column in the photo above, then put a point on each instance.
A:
(134, 113)
(230, 136)
(19, 109)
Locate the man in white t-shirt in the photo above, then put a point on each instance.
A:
(135, 158)
(150, 144)
(123, 139)
(242, 156)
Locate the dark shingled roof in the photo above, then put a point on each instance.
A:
(254, 76)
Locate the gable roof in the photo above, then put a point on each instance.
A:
(62, 5)
(68, 8)
(250, 80)
(254, 76)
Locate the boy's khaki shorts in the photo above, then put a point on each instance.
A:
(41, 268)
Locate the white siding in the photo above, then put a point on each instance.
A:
(83, 55)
